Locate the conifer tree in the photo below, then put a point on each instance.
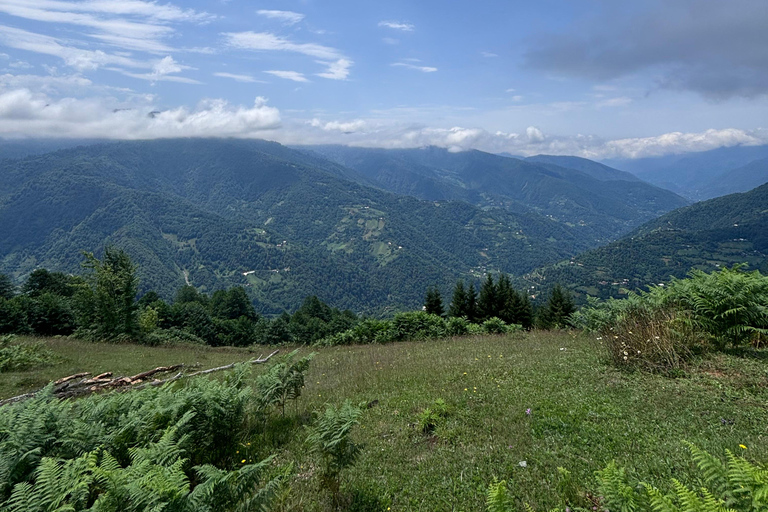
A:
(558, 309)
(472, 303)
(433, 303)
(505, 295)
(487, 302)
(458, 307)
(7, 288)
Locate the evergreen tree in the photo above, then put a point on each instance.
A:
(472, 303)
(459, 301)
(558, 309)
(232, 304)
(487, 302)
(505, 295)
(433, 303)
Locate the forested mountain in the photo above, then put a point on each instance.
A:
(283, 223)
(695, 175)
(719, 232)
(595, 169)
(605, 202)
(740, 179)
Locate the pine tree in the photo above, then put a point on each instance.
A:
(433, 303)
(505, 296)
(487, 302)
(472, 303)
(558, 309)
(458, 307)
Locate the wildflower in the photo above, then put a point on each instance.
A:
(465, 389)
(625, 358)
(242, 461)
(523, 464)
(743, 447)
(528, 411)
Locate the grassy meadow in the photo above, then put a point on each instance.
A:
(518, 407)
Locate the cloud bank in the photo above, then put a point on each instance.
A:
(714, 48)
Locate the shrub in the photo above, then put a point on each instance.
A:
(661, 328)
(456, 326)
(498, 326)
(417, 325)
(432, 417)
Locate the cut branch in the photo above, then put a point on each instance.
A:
(67, 388)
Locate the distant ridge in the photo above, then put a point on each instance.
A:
(707, 235)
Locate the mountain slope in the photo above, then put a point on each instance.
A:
(604, 208)
(689, 173)
(740, 179)
(594, 169)
(722, 231)
(283, 223)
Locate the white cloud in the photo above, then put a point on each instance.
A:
(162, 71)
(489, 55)
(338, 70)
(423, 69)
(287, 17)
(289, 75)
(337, 65)
(265, 41)
(517, 98)
(23, 112)
(339, 126)
(238, 78)
(75, 57)
(390, 40)
(130, 24)
(397, 25)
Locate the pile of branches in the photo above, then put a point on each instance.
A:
(81, 384)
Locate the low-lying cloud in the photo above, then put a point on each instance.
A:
(25, 113)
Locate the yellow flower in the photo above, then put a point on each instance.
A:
(242, 461)
(742, 447)
(465, 389)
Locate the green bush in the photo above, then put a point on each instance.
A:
(456, 326)
(662, 328)
(498, 326)
(417, 325)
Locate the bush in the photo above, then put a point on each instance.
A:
(662, 328)
(498, 326)
(417, 325)
(457, 326)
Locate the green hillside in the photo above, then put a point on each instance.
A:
(219, 213)
(605, 202)
(720, 232)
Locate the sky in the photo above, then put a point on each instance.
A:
(594, 78)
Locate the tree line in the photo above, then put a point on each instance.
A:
(102, 304)
(499, 299)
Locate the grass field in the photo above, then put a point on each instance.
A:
(583, 413)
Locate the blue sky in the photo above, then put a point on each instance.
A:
(590, 77)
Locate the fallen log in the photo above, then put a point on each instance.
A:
(66, 388)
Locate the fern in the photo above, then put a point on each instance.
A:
(499, 498)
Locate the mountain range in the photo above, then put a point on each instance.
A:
(364, 229)
(705, 174)
(284, 223)
(707, 235)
